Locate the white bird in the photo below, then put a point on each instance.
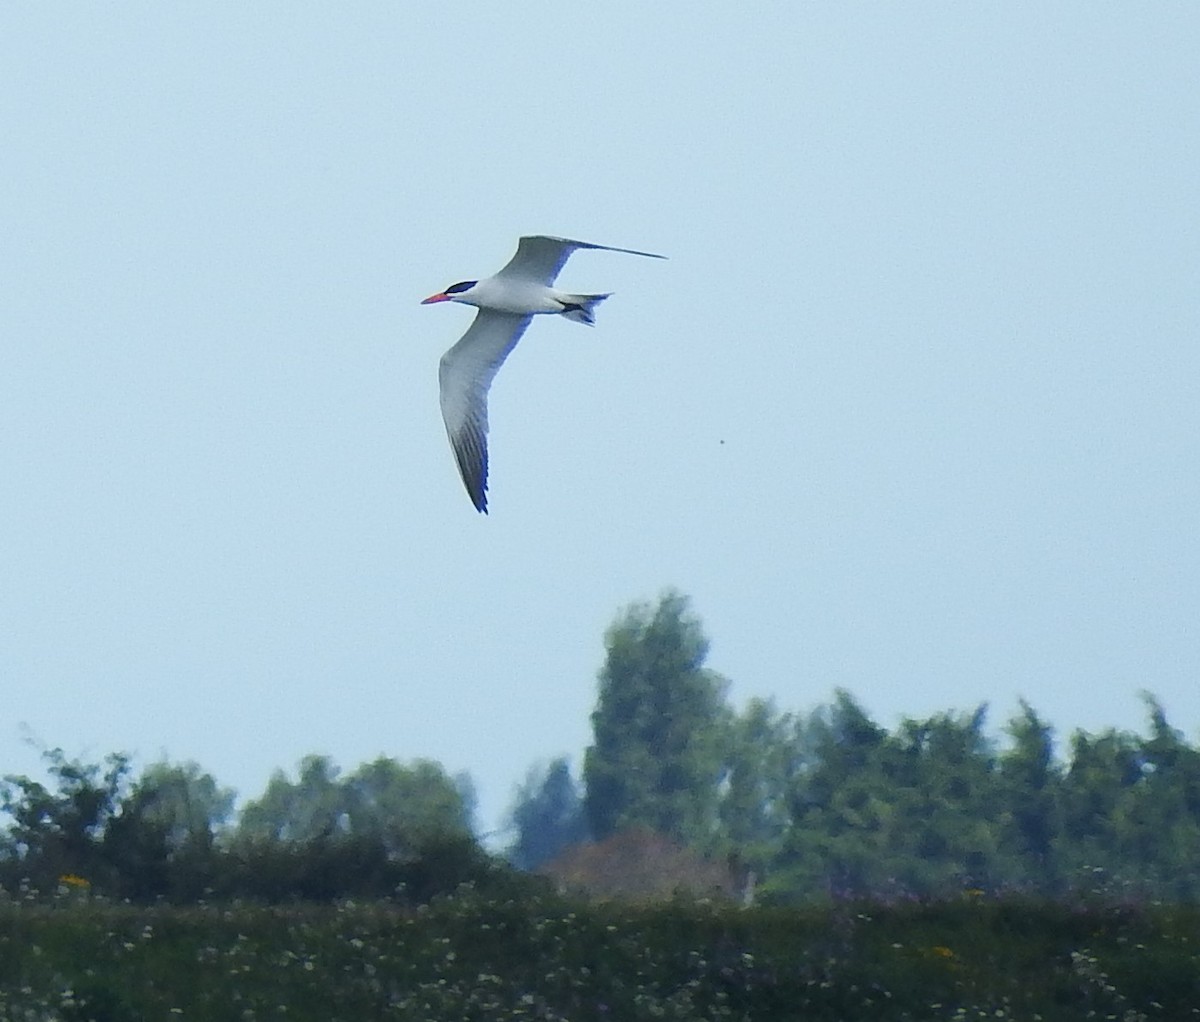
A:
(506, 302)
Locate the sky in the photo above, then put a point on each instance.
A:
(913, 408)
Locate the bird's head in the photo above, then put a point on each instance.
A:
(460, 292)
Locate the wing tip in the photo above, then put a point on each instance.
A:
(574, 243)
(477, 491)
(470, 452)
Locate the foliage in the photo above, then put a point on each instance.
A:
(57, 833)
(481, 959)
(659, 727)
(1030, 793)
(385, 829)
(162, 840)
(935, 807)
(762, 764)
(547, 815)
(306, 809)
(799, 808)
(399, 806)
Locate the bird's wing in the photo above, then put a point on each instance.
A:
(465, 373)
(540, 258)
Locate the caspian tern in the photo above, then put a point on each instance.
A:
(507, 302)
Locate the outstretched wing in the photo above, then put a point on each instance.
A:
(540, 258)
(465, 374)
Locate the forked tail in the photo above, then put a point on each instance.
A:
(581, 308)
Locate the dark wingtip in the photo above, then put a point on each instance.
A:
(470, 452)
(477, 488)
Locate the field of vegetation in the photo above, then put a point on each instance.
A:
(467, 957)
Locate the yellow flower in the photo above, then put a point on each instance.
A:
(941, 951)
(71, 880)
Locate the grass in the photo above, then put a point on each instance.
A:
(467, 958)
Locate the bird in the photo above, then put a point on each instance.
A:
(507, 302)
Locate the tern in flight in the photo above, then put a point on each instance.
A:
(506, 302)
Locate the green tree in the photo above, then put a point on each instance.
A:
(184, 801)
(162, 842)
(762, 762)
(659, 727)
(877, 813)
(59, 831)
(943, 825)
(384, 828)
(1101, 776)
(1030, 792)
(1156, 823)
(405, 807)
(310, 807)
(547, 815)
(837, 841)
(402, 807)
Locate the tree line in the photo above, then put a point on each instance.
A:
(815, 805)
(385, 830)
(831, 804)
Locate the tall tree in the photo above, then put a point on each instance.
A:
(1030, 791)
(547, 815)
(659, 727)
(837, 842)
(1103, 773)
(944, 821)
(1156, 823)
(762, 760)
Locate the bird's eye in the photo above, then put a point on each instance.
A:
(465, 285)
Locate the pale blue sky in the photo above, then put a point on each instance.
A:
(913, 409)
